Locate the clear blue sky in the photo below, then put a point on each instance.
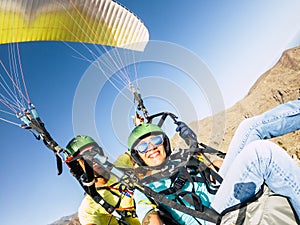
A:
(236, 40)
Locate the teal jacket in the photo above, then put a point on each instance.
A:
(143, 204)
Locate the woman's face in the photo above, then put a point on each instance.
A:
(151, 150)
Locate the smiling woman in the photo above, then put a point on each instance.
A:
(159, 150)
(153, 153)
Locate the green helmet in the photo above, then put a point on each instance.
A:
(142, 131)
(77, 143)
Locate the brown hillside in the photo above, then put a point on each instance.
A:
(67, 220)
(278, 85)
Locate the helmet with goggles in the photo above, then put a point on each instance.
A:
(88, 150)
(139, 133)
(78, 143)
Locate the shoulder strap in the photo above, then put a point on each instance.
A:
(178, 181)
(206, 214)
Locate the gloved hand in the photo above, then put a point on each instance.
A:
(187, 134)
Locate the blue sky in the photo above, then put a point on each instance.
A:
(236, 41)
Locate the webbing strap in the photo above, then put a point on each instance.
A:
(210, 150)
(91, 189)
(37, 125)
(197, 203)
(176, 189)
(202, 167)
(194, 201)
(207, 213)
(177, 184)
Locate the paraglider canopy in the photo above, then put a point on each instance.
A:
(99, 22)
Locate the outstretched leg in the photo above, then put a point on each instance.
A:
(278, 121)
(260, 162)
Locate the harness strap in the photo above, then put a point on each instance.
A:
(91, 189)
(206, 214)
(197, 203)
(195, 200)
(210, 150)
(108, 189)
(240, 207)
(120, 190)
(203, 167)
(198, 179)
(206, 174)
(177, 184)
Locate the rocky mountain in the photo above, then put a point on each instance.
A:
(278, 85)
(67, 220)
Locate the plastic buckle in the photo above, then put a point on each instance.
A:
(179, 182)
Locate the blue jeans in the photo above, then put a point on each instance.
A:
(260, 162)
(245, 166)
(278, 121)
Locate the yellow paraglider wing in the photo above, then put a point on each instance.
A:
(91, 21)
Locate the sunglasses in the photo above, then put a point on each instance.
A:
(155, 141)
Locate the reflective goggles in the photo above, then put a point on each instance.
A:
(93, 154)
(96, 160)
(155, 141)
